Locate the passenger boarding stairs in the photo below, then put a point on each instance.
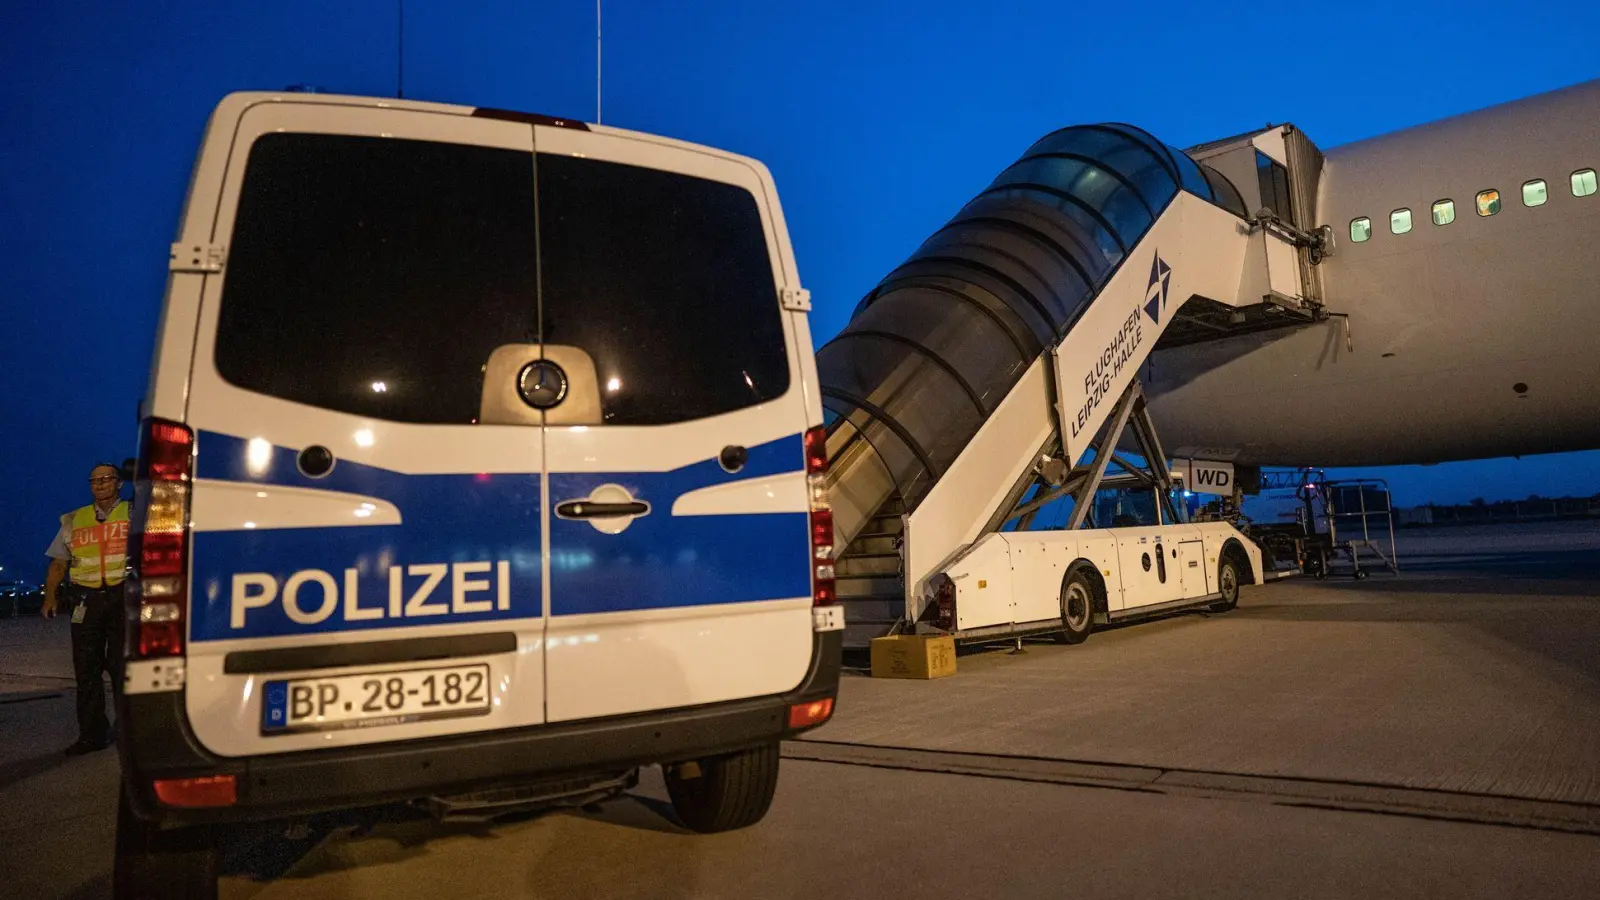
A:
(870, 576)
(1000, 361)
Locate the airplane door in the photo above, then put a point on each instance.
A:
(1285, 278)
(1283, 268)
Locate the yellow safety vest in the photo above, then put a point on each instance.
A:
(99, 549)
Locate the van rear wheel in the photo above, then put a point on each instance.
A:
(724, 793)
(155, 862)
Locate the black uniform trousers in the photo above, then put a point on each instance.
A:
(96, 649)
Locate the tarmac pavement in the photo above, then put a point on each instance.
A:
(1435, 734)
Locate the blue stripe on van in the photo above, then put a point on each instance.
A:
(662, 560)
(458, 530)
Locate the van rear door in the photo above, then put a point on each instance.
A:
(680, 568)
(366, 556)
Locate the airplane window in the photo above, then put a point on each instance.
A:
(1534, 193)
(1488, 203)
(1400, 221)
(1360, 229)
(1444, 212)
(1583, 183)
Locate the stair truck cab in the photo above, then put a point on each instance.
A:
(480, 465)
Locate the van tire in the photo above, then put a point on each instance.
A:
(730, 792)
(1228, 575)
(1077, 607)
(154, 862)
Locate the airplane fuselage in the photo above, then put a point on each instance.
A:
(1475, 338)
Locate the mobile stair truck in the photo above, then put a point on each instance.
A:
(994, 472)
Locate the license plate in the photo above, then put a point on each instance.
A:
(377, 698)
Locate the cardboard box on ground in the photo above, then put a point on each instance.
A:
(914, 656)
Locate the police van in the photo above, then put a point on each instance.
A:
(481, 465)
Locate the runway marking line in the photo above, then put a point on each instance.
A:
(1572, 817)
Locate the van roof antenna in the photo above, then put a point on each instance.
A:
(400, 49)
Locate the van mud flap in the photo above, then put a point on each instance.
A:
(566, 793)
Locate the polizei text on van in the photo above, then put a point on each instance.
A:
(312, 597)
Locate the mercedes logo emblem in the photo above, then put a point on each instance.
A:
(542, 384)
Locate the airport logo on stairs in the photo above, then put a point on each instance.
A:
(1155, 293)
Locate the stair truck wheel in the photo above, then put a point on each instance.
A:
(1227, 582)
(1077, 607)
(724, 793)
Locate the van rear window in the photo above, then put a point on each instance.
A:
(375, 276)
(666, 281)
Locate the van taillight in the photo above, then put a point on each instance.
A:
(159, 550)
(822, 590)
(198, 793)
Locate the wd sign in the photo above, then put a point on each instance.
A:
(1205, 476)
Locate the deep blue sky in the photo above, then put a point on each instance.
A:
(879, 119)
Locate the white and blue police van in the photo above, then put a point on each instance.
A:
(481, 465)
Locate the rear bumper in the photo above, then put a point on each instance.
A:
(156, 742)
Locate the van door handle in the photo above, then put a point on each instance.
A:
(589, 509)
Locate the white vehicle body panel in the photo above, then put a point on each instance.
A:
(1015, 578)
(225, 710)
(1193, 248)
(568, 662)
(611, 663)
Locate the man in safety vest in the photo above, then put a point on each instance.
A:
(90, 551)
